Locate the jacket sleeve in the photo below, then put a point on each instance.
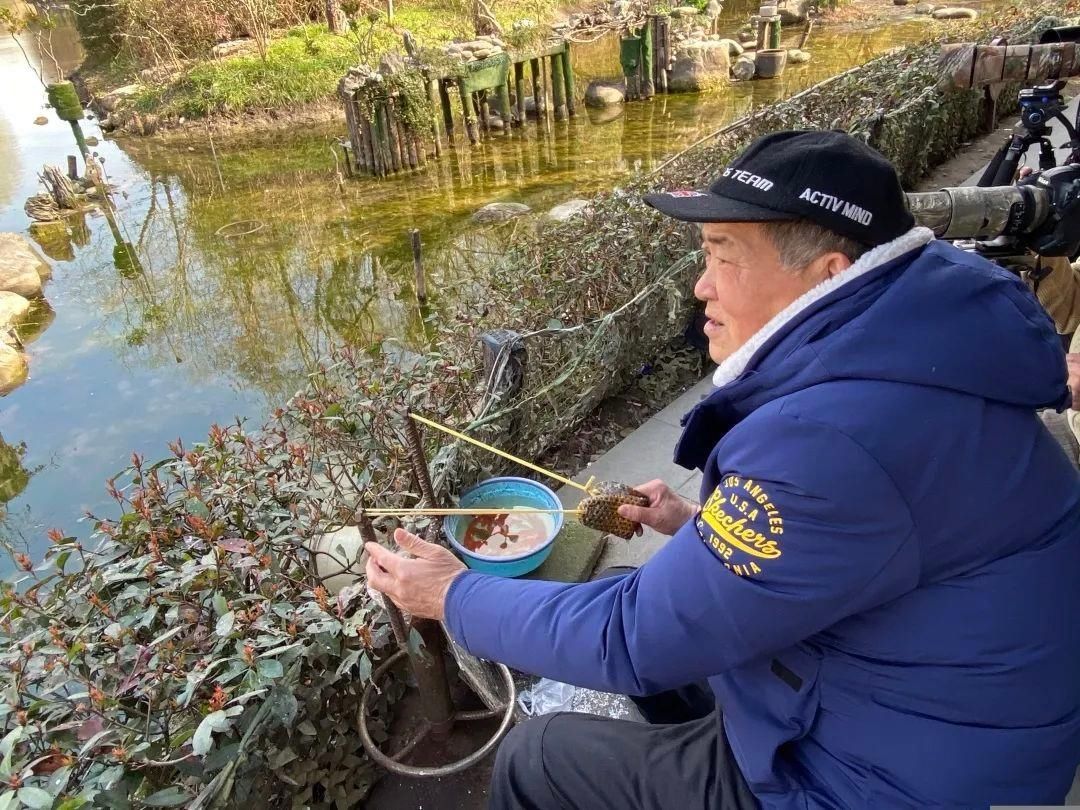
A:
(803, 529)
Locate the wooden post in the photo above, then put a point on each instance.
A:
(806, 33)
(436, 114)
(504, 105)
(408, 146)
(568, 78)
(372, 127)
(762, 31)
(648, 88)
(519, 92)
(447, 111)
(73, 167)
(397, 156)
(418, 266)
(538, 88)
(467, 113)
(557, 87)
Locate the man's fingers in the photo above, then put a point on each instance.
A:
(414, 545)
(638, 514)
(377, 576)
(383, 558)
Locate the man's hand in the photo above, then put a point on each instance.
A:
(666, 512)
(417, 586)
(1073, 363)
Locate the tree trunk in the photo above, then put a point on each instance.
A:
(333, 16)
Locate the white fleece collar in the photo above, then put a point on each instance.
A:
(735, 365)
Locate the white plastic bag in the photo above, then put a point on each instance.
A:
(546, 696)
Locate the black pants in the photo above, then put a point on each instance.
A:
(678, 760)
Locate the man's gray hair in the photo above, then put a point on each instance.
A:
(799, 242)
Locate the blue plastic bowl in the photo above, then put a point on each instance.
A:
(504, 493)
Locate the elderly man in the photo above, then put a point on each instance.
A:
(881, 584)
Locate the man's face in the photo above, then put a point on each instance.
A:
(744, 284)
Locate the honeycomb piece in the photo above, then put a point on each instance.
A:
(600, 510)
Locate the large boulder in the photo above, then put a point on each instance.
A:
(233, 47)
(699, 65)
(600, 94)
(955, 13)
(734, 48)
(795, 11)
(13, 368)
(567, 210)
(109, 102)
(500, 212)
(925, 8)
(21, 268)
(744, 68)
(13, 308)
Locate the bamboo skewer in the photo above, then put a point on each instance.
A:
(486, 511)
(504, 454)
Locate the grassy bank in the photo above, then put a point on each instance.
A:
(301, 64)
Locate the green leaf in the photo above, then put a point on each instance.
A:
(307, 727)
(415, 642)
(282, 758)
(554, 323)
(35, 797)
(168, 634)
(225, 624)
(221, 607)
(204, 734)
(270, 668)
(7, 800)
(283, 705)
(197, 508)
(169, 797)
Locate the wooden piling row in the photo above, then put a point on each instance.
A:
(381, 140)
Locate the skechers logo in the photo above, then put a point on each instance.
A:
(757, 181)
(835, 204)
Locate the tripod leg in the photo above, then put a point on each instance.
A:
(1046, 154)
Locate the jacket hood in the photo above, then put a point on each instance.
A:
(917, 311)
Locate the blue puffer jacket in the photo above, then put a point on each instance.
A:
(883, 584)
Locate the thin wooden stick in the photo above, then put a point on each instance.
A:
(424, 511)
(498, 452)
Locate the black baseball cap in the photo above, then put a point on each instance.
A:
(824, 176)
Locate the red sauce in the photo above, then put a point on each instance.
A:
(503, 535)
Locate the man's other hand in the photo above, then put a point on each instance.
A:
(666, 512)
(418, 585)
(1073, 363)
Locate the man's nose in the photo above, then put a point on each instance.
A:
(704, 290)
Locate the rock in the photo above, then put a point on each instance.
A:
(698, 65)
(684, 11)
(482, 54)
(746, 36)
(925, 8)
(41, 120)
(92, 141)
(500, 212)
(955, 13)
(334, 553)
(13, 308)
(599, 94)
(495, 122)
(233, 47)
(530, 105)
(13, 368)
(563, 212)
(743, 69)
(21, 268)
(899, 2)
(734, 48)
(795, 11)
(110, 101)
(797, 57)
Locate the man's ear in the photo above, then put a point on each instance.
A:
(828, 265)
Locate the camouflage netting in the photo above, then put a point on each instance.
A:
(617, 282)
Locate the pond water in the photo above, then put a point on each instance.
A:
(253, 262)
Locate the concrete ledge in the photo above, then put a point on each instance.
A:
(577, 548)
